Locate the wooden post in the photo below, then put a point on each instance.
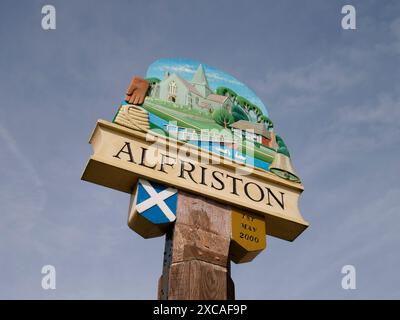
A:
(196, 259)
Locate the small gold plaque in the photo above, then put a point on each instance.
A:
(248, 236)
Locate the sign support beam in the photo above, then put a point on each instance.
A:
(196, 258)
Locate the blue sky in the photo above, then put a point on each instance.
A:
(186, 69)
(334, 96)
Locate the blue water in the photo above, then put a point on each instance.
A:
(214, 146)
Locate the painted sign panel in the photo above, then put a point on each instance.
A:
(201, 105)
(122, 155)
(190, 126)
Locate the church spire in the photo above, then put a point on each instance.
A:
(200, 76)
(200, 82)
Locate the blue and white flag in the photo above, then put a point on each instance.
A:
(156, 202)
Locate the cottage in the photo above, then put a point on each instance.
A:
(257, 132)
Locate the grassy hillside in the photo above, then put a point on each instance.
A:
(188, 118)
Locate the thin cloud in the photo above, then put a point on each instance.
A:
(177, 69)
(12, 146)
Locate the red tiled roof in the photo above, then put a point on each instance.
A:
(189, 86)
(258, 128)
(217, 98)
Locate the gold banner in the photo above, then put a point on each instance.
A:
(122, 155)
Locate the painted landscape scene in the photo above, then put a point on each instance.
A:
(202, 105)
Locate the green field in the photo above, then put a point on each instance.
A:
(183, 116)
(188, 118)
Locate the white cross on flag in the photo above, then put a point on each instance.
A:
(155, 202)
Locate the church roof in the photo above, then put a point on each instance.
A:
(217, 98)
(200, 76)
(258, 128)
(189, 86)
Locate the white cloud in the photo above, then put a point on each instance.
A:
(385, 111)
(178, 69)
(22, 160)
(217, 77)
(22, 194)
(316, 79)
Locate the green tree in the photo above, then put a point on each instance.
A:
(258, 112)
(244, 103)
(224, 91)
(223, 117)
(249, 106)
(239, 114)
(266, 120)
(282, 148)
(153, 80)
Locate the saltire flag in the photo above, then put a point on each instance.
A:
(156, 202)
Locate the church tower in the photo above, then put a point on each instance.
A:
(200, 82)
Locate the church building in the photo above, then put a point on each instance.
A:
(195, 93)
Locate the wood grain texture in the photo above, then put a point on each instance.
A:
(202, 213)
(191, 243)
(198, 248)
(163, 282)
(198, 280)
(160, 291)
(179, 281)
